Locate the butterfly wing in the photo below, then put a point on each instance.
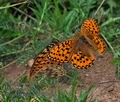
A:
(63, 51)
(81, 61)
(42, 62)
(84, 57)
(100, 44)
(90, 30)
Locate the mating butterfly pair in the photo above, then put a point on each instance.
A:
(77, 50)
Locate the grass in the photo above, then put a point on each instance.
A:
(27, 27)
(34, 93)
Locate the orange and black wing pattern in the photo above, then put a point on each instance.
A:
(81, 61)
(62, 51)
(42, 62)
(90, 30)
(77, 50)
(84, 56)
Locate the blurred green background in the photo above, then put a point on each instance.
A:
(28, 26)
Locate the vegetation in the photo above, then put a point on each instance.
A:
(27, 27)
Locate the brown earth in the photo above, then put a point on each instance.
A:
(101, 74)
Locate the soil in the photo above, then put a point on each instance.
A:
(102, 75)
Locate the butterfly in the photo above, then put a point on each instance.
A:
(78, 50)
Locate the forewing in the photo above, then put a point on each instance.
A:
(62, 51)
(90, 30)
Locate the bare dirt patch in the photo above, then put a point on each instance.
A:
(101, 74)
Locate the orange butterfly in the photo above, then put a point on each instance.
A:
(77, 50)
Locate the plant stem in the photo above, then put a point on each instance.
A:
(8, 6)
(3, 44)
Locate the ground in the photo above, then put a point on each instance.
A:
(102, 75)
